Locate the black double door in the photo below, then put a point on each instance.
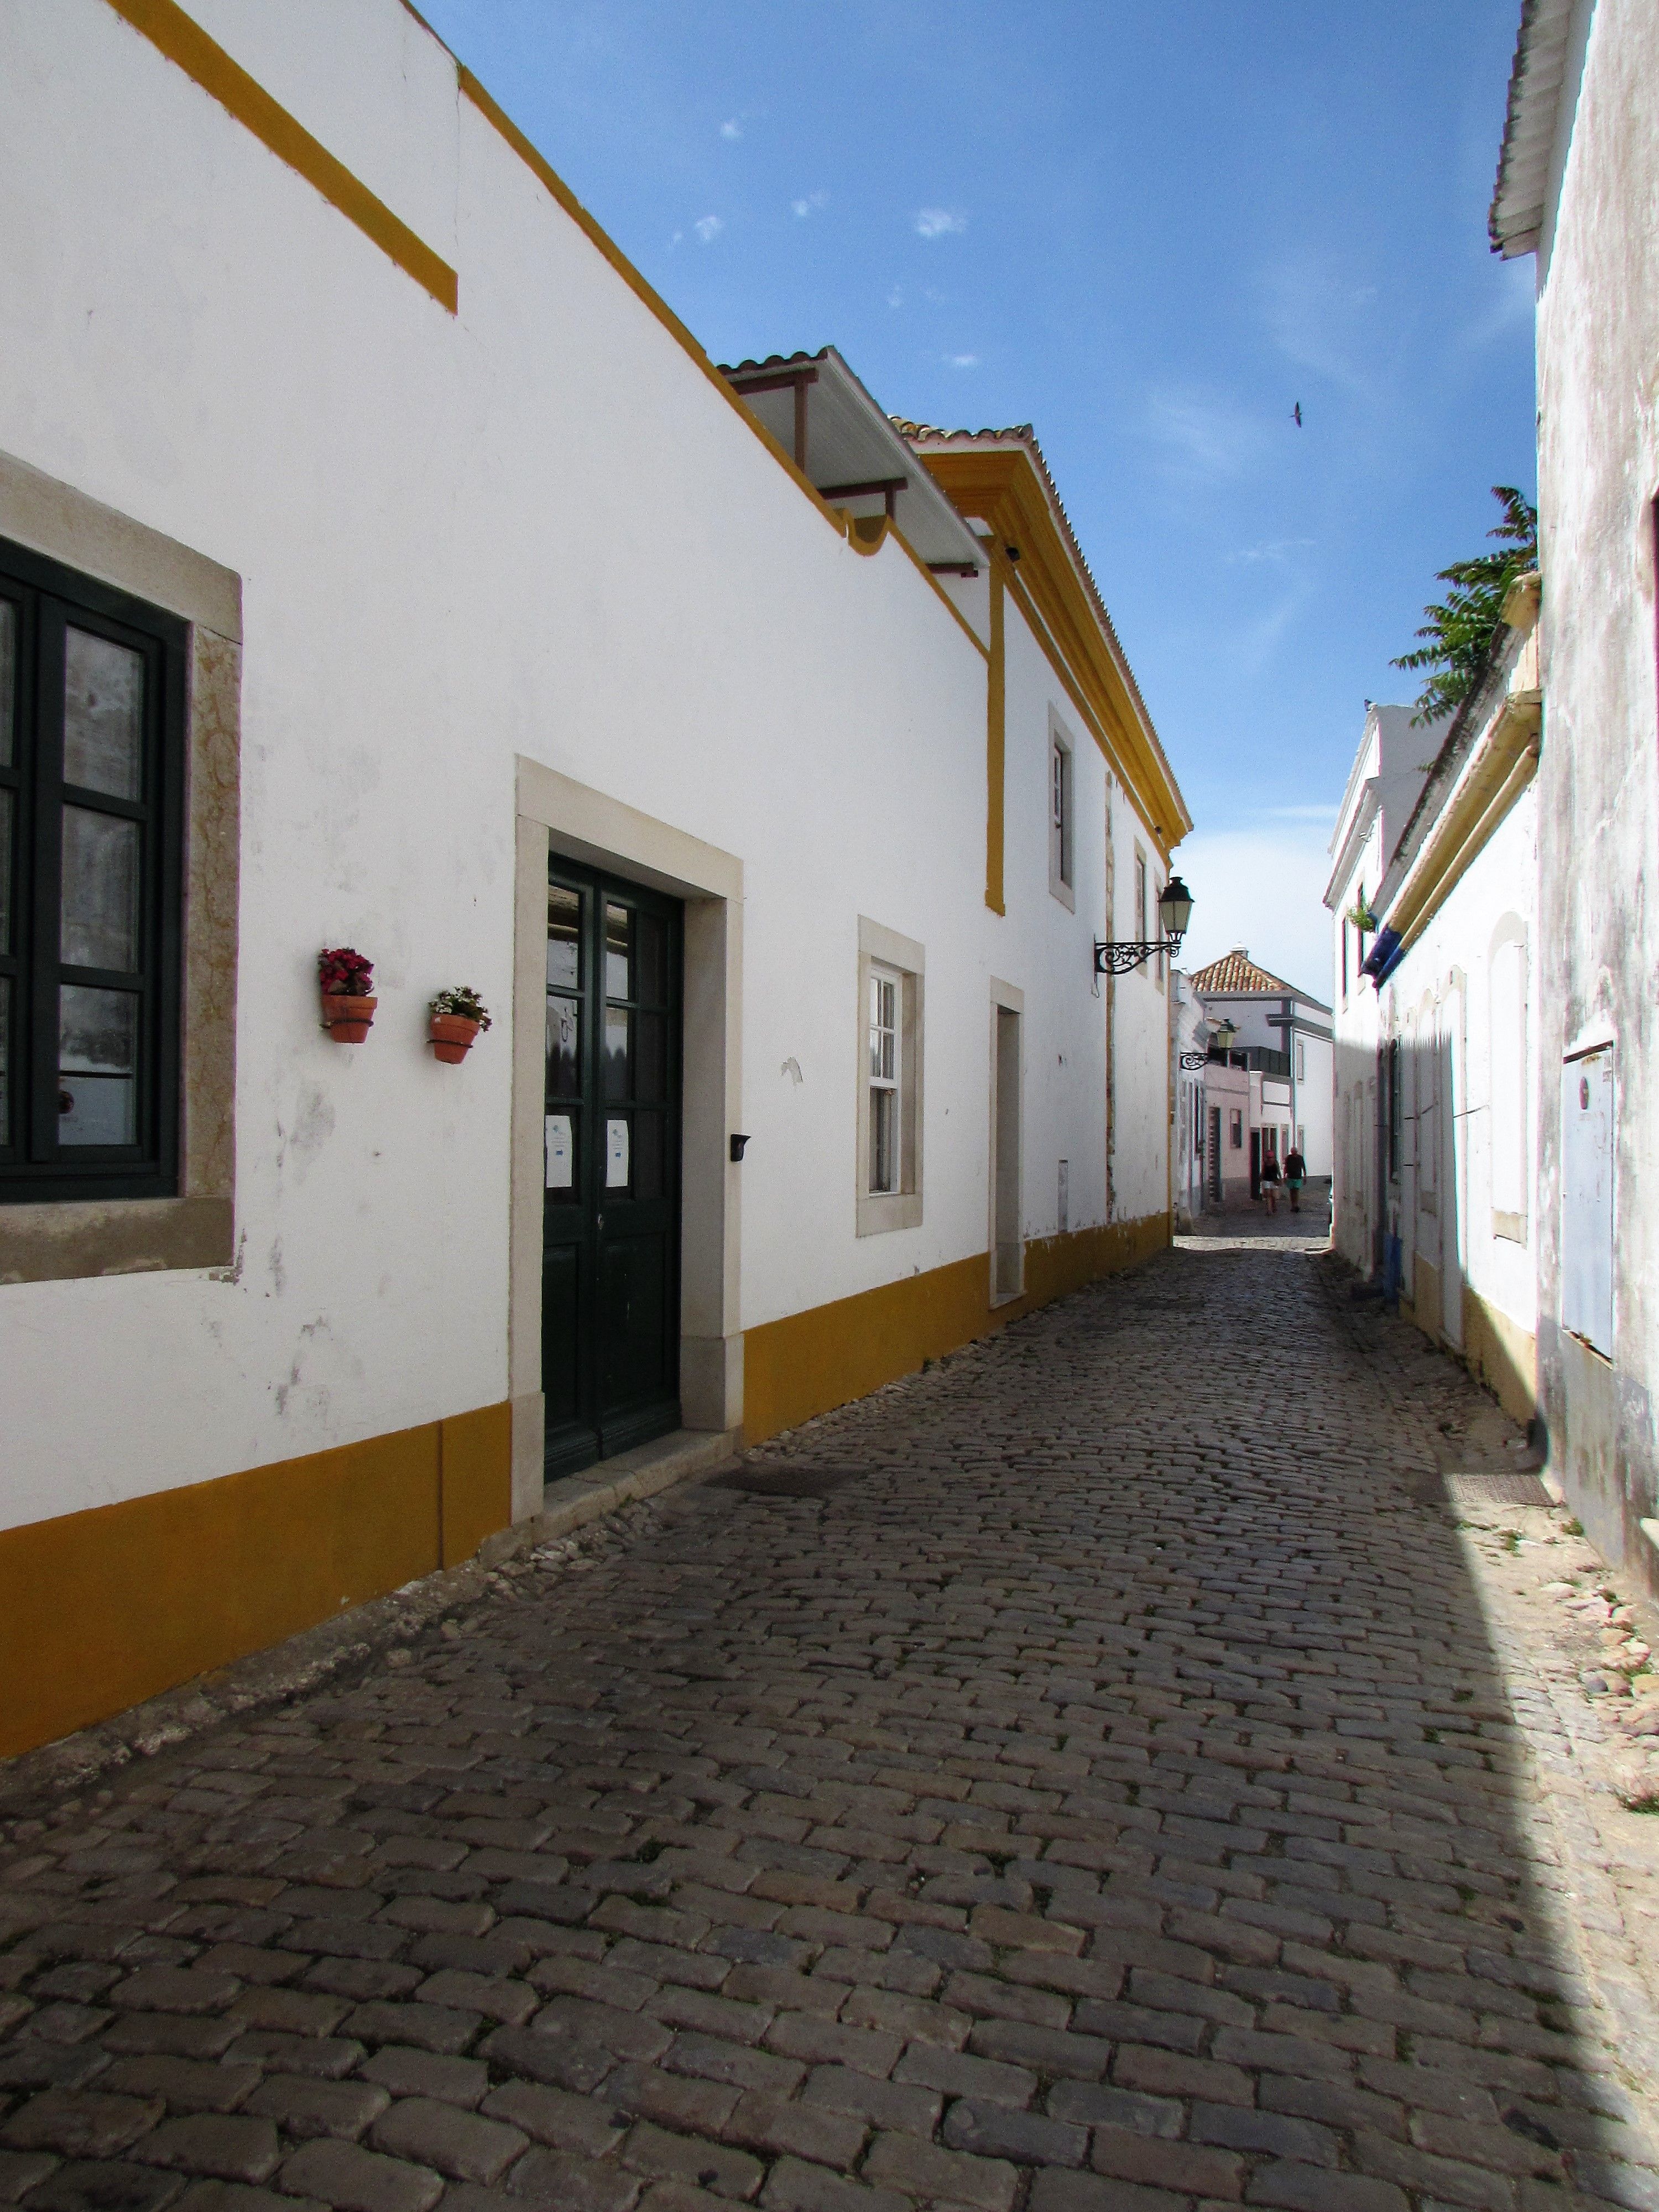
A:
(611, 1145)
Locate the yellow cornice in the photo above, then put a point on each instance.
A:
(1001, 486)
(187, 46)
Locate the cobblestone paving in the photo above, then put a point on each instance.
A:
(1108, 1799)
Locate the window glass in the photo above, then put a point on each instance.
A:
(564, 930)
(617, 941)
(99, 928)
(103, 715)
(8, 810)
(92, 773)
(885, 987)
(1141, 897)
(98, 1066)
(8, 682)
(564, 1037)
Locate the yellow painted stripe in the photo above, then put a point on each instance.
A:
(101, 1609)
(185, 43)
(995, 743)
(807, 1363)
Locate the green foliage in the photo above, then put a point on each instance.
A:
(1460, 629)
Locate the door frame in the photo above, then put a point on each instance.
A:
(555, 813)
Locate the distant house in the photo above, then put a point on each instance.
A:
(1285, 1039)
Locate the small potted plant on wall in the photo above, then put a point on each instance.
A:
(457, 1017)
(348, 988)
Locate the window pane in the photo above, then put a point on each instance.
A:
(8, 680)
(100, 890)
(883, 1149)
(618, 1064)
(617, 919)
(650, 959)
(5, 870)
(103, 715)
(564, 929)
(98, 1066)
(651, 1057)
(650, 1149)
(564, 1040)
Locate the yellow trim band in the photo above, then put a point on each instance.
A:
(186, 44)
(807, 1363)
(102, 1609)
(996, 742)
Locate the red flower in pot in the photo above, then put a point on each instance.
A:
(457, 1017)
(347, 981)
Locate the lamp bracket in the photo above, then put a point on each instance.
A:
(1118, 957)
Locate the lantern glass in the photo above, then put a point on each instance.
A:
(1175, 905)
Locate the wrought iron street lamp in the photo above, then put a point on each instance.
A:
(1225, 1037)
(1175, 911)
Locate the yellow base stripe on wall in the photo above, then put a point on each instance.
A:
(102, 1609)
(810, 1362)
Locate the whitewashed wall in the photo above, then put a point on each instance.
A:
(535, 528)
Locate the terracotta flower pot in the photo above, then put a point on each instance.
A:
(347, 1021)
(452, 1038)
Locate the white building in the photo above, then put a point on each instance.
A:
(1437, 1062)
(1389, 770)
(1190, 1034)
(1577, 186)
(1285, 1034)
(385, 566)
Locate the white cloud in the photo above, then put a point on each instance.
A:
(896, 297)
(939, 222)
(1271, 549)
(731, 130)
(708, 229)
(1207, 439)
(963, 360)
(1263, 888)
(1317, 317)
(810, 205)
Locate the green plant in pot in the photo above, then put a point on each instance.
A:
(455, 1020)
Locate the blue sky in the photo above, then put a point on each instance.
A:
(1149, 228)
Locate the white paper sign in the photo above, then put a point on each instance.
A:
(559, 1175)
(616, 1155)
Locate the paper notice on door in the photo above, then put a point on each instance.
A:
(560, 1174)
(616, 1155)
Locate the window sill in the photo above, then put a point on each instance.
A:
(899, 1210)
(1061, 890)
(75, 1238)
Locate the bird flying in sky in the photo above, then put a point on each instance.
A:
(1296, 413)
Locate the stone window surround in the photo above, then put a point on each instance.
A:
(59, 1240)
(879, 1211)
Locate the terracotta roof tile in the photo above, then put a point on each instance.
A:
(1236, 974)
(922, 436)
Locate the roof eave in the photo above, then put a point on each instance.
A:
(1521, 194)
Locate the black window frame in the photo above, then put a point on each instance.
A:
(33, 1166)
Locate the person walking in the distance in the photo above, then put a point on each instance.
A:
(1270, 1181)
(1296, 1174)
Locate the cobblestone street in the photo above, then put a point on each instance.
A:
(1099, 1774)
